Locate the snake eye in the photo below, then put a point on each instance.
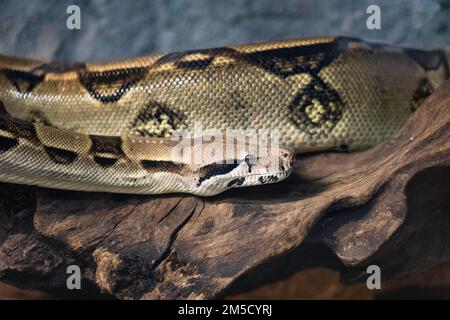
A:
(250, 159)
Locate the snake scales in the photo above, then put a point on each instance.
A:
(106, 126)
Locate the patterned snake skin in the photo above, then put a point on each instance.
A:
(106, 126)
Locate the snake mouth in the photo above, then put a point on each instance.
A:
(221, 184)
(254, 179)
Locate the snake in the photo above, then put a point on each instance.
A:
(109, 126)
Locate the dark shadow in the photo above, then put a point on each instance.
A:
(416, 292)
(305, 256)
(292, 189)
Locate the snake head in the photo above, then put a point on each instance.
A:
(241, 168)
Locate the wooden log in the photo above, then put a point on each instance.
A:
(389, 206)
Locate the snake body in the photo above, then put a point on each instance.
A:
(107, 126)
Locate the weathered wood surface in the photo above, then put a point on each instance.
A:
(389, 205)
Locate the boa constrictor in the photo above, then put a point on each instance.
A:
(106, 126)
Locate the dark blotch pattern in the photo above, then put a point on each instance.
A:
(311, 60)
(287, 62)
(316, 91)
(236, 182)
(269, 179)
(155, 111)
(198, 64)
(215, 170)
(19, 128)
(7, 143)
(109, 86)
(153, 166)
(104, 144)
(105, 162)
(60, 156)
(106, 150)
(24, 82)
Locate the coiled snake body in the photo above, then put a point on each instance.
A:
(106, 126)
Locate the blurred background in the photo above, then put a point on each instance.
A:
(113, 29)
